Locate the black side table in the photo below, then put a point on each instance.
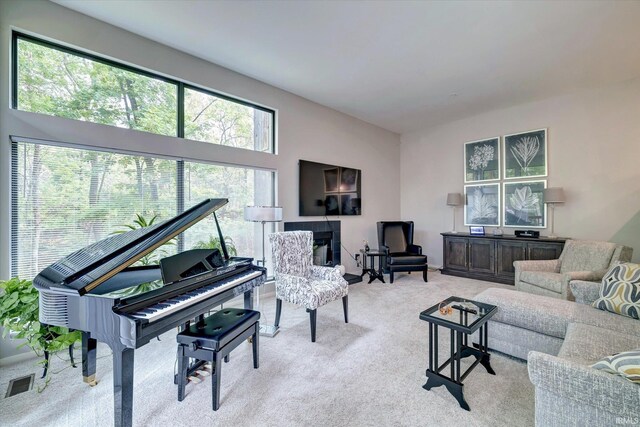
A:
(466, 318)
(373, 272)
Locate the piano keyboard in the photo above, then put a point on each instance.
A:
(164, 308)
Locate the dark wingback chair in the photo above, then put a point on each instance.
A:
(395, 239)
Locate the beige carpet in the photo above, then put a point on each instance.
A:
(365, 373)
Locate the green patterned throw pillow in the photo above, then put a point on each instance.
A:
(620, 290)
(625, 364)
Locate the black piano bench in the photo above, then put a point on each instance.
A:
(212, 339)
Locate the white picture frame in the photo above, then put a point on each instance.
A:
(482, 160)
(482, 204)
(523, 204)
(525, 155)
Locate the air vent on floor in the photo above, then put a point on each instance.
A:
(19, 385)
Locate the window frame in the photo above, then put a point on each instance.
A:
(180, 84)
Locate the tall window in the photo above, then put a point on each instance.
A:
(214, 119)
(243, 187)
(66, 198)
(59, 81)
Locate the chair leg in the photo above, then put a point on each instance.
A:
(226, 358)
(215, 382)
(391, 277)
(254, 343)
(424, 275)
(345, 307)
(312, 317)
(278, 311)
(183, 361)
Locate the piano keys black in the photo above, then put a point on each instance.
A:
(97, 290)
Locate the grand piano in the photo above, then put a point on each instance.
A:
(96, 290)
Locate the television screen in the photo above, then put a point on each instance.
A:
(329, 190)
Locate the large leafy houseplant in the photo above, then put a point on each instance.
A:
(142, 222)
(214, 243)
(19, 310)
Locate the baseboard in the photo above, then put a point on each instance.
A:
(17, 358)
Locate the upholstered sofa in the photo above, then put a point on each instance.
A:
(560, 339)
(580, 260)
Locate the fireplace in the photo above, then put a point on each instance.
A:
(323, 248)
(326, 240)
(326, 243)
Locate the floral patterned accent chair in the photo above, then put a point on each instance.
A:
(580, 260)
(300, 282)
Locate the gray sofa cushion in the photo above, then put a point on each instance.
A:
(592, 316)
(587, 344)
(569, 393)
(543, 279)
(551, 316)
(518, 342)
(546, 315)
(585, 255)
(585, 292)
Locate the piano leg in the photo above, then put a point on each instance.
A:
(248, 299)
(248, 305)
(89, 359)
(123, 386)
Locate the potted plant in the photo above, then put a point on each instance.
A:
(19, 310)
(214, 243)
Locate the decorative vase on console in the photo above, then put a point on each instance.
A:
(366, 245)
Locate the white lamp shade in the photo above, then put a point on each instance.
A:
(553, 195)
(263, 213)
(454, 199)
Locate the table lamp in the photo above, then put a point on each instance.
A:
(454, 200)
(552, 196)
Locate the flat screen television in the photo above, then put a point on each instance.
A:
(329, 190)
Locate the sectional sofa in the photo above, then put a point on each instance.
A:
(560, 339)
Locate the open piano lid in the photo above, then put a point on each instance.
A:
(88, 267)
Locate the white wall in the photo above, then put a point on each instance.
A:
(593, 153)
(305, 130)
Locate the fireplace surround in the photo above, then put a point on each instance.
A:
(326, 240)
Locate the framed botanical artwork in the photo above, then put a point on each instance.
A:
(525, 154)
(524, 204)
(332, 180)
(482, 160)
(482, 205)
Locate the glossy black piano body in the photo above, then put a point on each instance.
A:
(97, 291)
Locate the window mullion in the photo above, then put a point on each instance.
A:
(180, 163)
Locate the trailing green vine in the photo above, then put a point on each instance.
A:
(19, 310)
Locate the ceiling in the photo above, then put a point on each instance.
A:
(402, 65)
